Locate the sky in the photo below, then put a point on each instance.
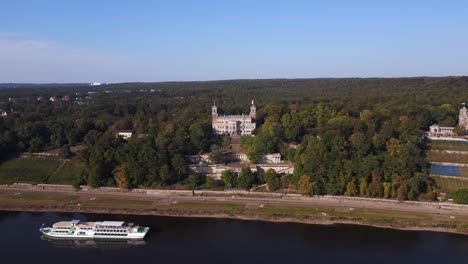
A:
(150, 41)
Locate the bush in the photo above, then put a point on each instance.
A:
(430, 196)
(195, 181)
(246, 179)
(65, 152)
(274, 184)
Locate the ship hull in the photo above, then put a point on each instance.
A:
(49, 232)
(93, 237)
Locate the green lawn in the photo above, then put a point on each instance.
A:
(28, 169)
(69, 173)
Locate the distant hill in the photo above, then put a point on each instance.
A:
(41, 85)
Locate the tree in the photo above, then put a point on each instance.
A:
(273, 183)
(305, 186)
(96, 174)
(65, 151)
(460, 130)
(272, 180)
(165, 174)
(286, 180)
(211, 183)
(402, 192)
(92, 138)
(227, 177)
(269, 174)
(180, 166)
(246, 179)
(387, 186)
(351, 189)
(375, 189)
(120, 176)
(194, 181)
(35, 144)
(253, 157)
(363, 186)
(216, 154)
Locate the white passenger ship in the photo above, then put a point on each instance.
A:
(106, 229)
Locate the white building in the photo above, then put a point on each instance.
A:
(215, 171)
(125, 134)
(3, 113)
(233, 124)
(443, 131)
(274, 158)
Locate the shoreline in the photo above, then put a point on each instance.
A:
(231, 217)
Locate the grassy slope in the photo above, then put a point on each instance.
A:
(449, 185)
(438, 156)
(69, 173)
(448, 146)
(40, 170)
(28, 170)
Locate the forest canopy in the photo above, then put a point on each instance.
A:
(356, 137)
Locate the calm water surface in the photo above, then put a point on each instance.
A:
(194, 240)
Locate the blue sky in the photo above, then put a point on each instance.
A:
(120, 41)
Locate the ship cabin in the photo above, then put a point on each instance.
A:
(112, 228)
(62, 227)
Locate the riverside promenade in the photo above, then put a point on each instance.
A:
(244, 198)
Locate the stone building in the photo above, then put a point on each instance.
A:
(233, 124)
(438, 131)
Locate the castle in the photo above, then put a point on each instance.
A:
(233, 124)
(436, 130)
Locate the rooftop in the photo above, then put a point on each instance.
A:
(233, 116)
(435, 125)
(63, 224)
(110, 223)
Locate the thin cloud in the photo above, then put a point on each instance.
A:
(10, 35)
(32, 60)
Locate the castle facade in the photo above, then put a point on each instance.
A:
(233, 124)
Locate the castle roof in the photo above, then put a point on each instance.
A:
(233, 117)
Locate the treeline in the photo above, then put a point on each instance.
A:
(370, 153)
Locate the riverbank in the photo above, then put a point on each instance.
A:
(243, 209)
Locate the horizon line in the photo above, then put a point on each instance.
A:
(243, 79)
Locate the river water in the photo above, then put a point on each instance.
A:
(198, 240)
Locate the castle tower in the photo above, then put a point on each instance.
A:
(214, 111)
(253, 110)
(463, 117)
(214, 117)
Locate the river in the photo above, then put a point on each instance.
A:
(199, 240)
